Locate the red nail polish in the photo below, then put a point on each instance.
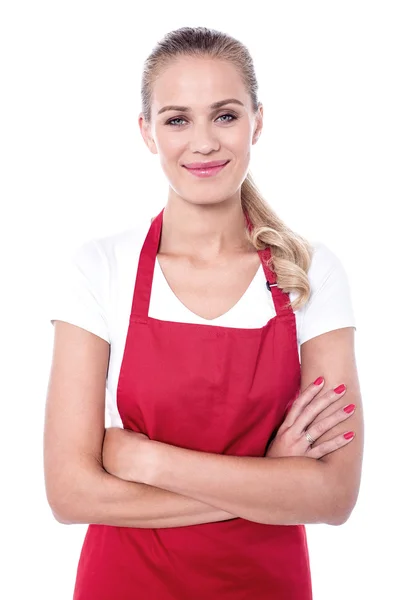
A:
(340, 388)
(349, 408)
(318, 381)
(348, 435)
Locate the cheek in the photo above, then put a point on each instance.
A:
(169, 144)
(171, 154)
(240, 139)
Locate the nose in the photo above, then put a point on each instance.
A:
(203, 138)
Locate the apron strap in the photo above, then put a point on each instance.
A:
(146, 265)
(145, 272)
(280, 298)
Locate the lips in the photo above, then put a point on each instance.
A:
(207, 171)
(205, 165)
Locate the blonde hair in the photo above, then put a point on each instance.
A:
(290, 252)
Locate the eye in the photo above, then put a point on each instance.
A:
(171, 121)
(228, 115)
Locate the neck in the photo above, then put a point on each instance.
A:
(206, 231)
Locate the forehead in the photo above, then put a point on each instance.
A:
(198, 82)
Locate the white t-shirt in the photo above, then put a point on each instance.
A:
(94, 290)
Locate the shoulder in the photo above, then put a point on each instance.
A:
(325, 263)
(104, 255)
(325, 269)
(87, 280)
(329, 305)
(116, 246)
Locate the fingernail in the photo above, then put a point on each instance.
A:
(348, 435)
(340, 388)
(318, 381)
(349, 408)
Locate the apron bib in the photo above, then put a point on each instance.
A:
(213, 389)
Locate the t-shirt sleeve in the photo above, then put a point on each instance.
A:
(79, 291)
(330, 304)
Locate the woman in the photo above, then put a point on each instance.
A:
(220, 447)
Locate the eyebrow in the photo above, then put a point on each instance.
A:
(213, 106)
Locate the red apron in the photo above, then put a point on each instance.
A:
(212, 389)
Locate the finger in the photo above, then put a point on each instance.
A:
(314, 408)
(329, 446)
(300, 403)
(316, 429)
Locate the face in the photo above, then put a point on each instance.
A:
(196, 132)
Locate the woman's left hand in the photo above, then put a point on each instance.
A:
(124, 453)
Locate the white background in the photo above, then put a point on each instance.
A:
(74, 166)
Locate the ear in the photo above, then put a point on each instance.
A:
(146, 134)
(258, 123)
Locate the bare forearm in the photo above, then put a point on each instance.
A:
(279, 491)
(104, 499)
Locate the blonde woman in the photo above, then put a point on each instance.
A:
(225, 344)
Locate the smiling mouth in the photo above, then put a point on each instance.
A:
(206, 171)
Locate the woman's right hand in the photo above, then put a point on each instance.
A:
(290, 439)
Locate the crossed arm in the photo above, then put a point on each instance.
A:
(253, 488)
(180, 487)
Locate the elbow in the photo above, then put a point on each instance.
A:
(64, 509)
(339, 519)
(339, 498)
(341, 509)
(60, 510)
(61, 518)
(73, 494)
(69, 502)
(343, 515)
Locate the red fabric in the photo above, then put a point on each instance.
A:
(211, 389)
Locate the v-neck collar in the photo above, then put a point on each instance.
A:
(174, 298)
